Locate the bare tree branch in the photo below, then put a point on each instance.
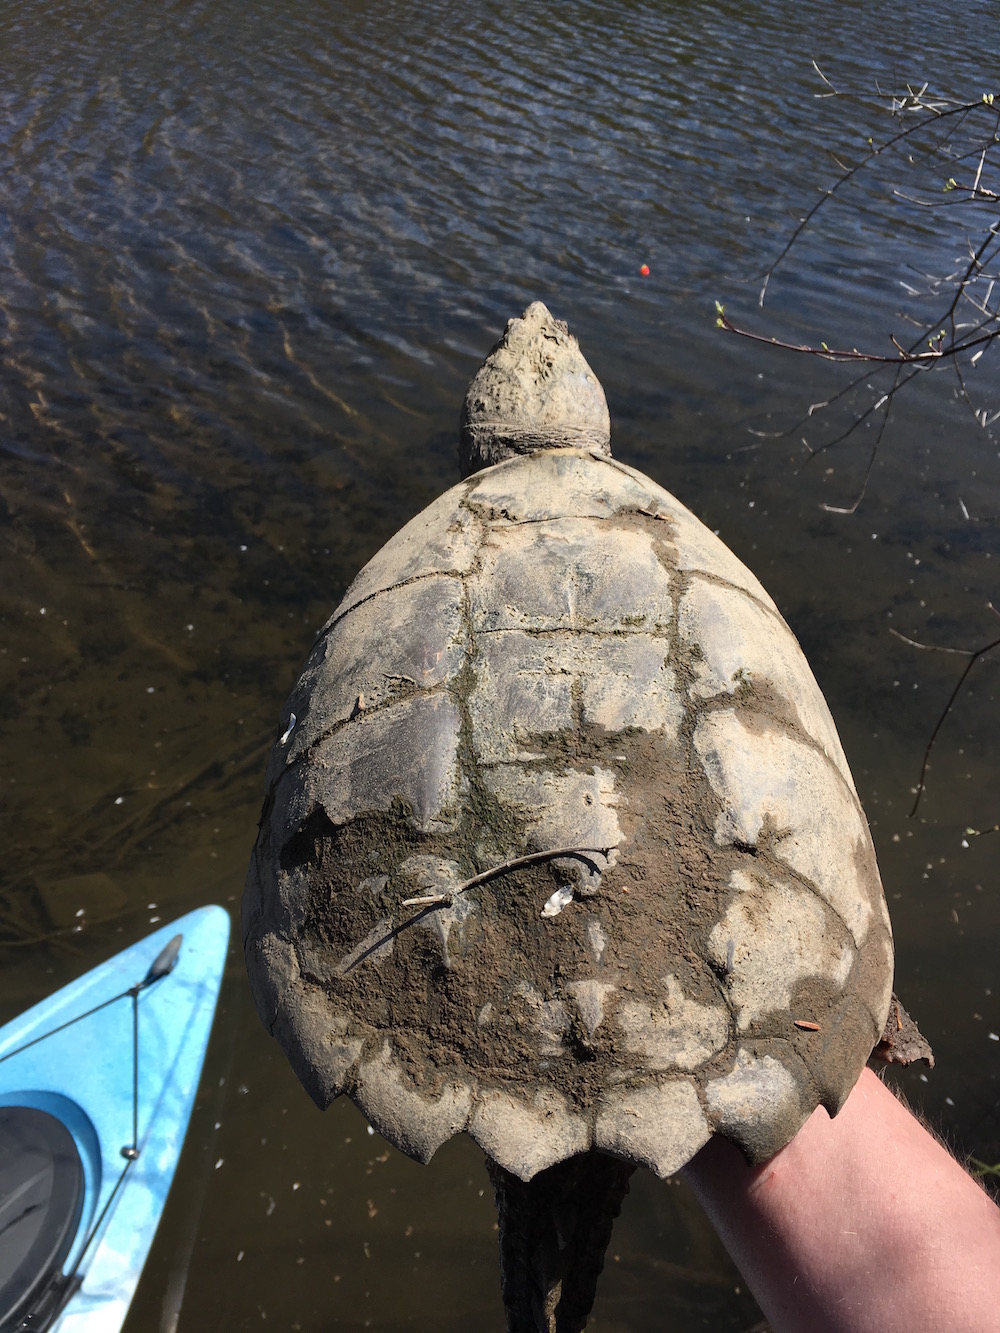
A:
(937, 130)
(974, 657)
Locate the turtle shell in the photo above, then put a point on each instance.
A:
(560, 845)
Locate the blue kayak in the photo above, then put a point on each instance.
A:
(96, 1088)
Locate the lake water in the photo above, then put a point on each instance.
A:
(252, 255)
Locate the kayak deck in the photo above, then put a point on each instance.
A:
(70, 1062)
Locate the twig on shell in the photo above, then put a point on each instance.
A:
(530, 858)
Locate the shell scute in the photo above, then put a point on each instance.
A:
(526, 1136)
(675, 1031)
(774, 935)
(441, 539)
(406, 1115)
(570, 574)
(522, 692)
(760, 1102)
(587, 486)
(696, 549)
(742, 647)
(532, 687)
(405, 753)
(660, 1124)
(408, 639)
(773, 785)
(575, 807)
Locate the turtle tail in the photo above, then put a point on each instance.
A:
(554, 1230)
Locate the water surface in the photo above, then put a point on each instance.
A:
(252, 256)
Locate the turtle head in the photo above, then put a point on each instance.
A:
(533, 391)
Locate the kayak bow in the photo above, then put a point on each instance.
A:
(97, 1083)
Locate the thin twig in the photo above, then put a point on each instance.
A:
(930, 647)
(944, 130)
(934, 118)
(981, 832)
(973, 659)
(902, 356)
(530, 858)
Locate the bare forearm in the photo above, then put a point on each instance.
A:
(863, 1224)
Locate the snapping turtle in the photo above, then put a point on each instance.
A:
(560, 846)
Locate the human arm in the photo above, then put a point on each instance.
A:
(864, 1223)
